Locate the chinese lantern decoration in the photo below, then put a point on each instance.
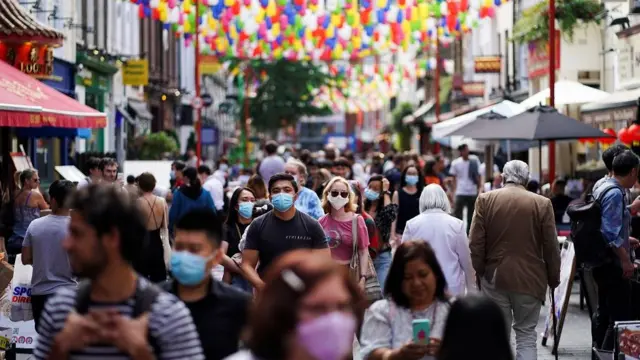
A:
(624, 136)
(634, 133)
(608, 140)
(587, 140)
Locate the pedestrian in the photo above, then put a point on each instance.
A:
(307, 200)
(42, 248)
(95, 174)
(467, 183)
(475, 330)
(341, 224)
(157, 246)
(515, 253)
(219, 310)
(374, 242)
(272, 164)
(612, 277)
(213, 185)
(394, 174)
(109, 168)
(309, 309)
(378, 205)
(241, 208)
(447, 236)
(607, 158)
(407, 198)
(177, 176)
(259, 188)
(188, 197)
(114, 312)
(279, 231)
(415, 289)
(131, 187)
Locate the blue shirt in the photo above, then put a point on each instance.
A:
(182, 204)
(615, 216)
(309, 203)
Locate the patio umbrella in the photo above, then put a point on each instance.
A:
(539, 123)
(567, 93)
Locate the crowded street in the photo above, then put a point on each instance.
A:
(319, 179)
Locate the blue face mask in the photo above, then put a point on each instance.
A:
(187, 268)
(411, 179)
(371, 195)
(246, 209)
(172, 174)
(282, 202)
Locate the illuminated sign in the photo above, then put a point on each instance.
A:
(488, 64)
(32, 59)
(473, 89)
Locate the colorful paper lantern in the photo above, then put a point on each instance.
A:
(624, 136)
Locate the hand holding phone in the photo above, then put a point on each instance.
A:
(421, 331)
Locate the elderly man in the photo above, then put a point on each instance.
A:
(515, 253)
(307, 200)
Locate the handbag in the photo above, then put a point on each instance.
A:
(372, 290)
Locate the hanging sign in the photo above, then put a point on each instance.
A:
(135, 72)
(488, 64)
(31, 59)
(473, 89)
(538, 59)
(209, 65)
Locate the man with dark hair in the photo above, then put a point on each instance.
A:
(213, 185)
(467, 183)
(607, 157)
(219, 310)
(272, 164)
(114, 311)
(109, 168)
(95, 173)
(177, 176)
(612, 278)
(560, 200)
(281, 230)
(42, 248)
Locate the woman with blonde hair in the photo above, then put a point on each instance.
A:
(341, 224)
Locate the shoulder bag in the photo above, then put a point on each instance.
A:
(372, 290)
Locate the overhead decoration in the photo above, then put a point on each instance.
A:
(314, 29)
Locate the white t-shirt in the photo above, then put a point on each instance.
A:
(464, 185)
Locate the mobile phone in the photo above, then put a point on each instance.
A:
(421, 331)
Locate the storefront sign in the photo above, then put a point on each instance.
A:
(488, 64)
(539, 57)
(209, 65)
(473, 89)
(32, 59)
(626, 114)
(135, 72)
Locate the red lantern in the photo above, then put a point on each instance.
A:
(609, 140)
(624, 136)
(634, 132)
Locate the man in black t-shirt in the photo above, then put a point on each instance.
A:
(281, 230)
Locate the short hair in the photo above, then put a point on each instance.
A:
(60, 190)
(533, 186)
(107, 208)
(202, 220)
(302, 168)
(93, 163)
(27, 174)
(341, 162)
(610, 153)
(625, 162)
(517, 172)
(350, 206)
(147, 182)
(256, 184)
(271, 147)
(204, 169)
(406, 252)
(179, 165)
(283, 177)
(462, 147)
(108, 162)
(131, 179)
(434, 197)
(288, 280)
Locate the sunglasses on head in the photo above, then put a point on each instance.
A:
(344, 194)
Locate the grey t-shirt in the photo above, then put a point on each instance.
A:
(270, 166)
(51, 269)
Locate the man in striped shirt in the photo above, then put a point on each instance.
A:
(102, 319)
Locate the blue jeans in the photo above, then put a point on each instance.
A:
(241, 283)
(382, 263)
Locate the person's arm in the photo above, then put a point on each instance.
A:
(394, 200)
(319, 242)
(376, 335)
(251, 255)
(477, 237)
(461, 247)
(453, 173)
(27, 255)
(550, 246)
(612, 222)
(363, 246)
(171, 323)
(41, 203)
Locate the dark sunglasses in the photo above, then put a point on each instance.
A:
(344, 194)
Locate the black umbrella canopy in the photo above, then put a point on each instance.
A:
(538, 123)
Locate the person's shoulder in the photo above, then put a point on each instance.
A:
(230, 294)
(61, 303)
(306, 218)
(380, 306)
(167, 308)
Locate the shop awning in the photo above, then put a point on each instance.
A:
(419, 113)
(140, 109)
(26, 102)
(619, 106)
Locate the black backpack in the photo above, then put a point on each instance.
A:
(144, 298)
(586, 221)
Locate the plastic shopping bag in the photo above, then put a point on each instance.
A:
(21, 292)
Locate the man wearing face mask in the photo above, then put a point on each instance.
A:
(219, 311)
(307, 200)
(281, 230)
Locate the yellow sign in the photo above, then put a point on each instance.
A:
(209, 65)
(135, 72)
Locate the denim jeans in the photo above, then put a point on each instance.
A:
(522, 311)
(382, 263)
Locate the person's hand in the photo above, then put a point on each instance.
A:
(362, 283)
(385, 184)
(410, 351)
(635, 205)
(627, 268)
(433, 347)
(635, 243)
(79, 332)
(128, 335)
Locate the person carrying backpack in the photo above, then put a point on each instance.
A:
(600, 231)
(114, 313)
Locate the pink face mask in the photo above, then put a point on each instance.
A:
(328, 337)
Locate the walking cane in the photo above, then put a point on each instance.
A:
(555, 325)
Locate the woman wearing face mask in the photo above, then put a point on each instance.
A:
(415, 290)
(379, 206)
(338, 202)
(308, 310)
(240, 216)
(407, 199)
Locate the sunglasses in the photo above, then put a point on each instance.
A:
(344, 194)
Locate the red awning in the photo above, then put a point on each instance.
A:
(26, 102)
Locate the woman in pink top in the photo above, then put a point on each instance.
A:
(339, 204)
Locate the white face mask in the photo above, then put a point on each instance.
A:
(338, 202)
